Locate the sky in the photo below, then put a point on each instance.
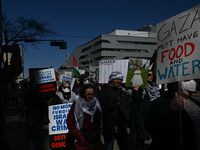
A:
(79, 21)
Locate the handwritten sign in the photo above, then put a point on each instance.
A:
(108, 66)
(178, 40)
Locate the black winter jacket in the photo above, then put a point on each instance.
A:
(163, 124)
(115, 107)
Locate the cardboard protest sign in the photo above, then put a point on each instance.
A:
(178, 39)
(108, 66)
(137, 72)
(45, 81)
(31, 73)
(58, 126)
(46, 89)
(44, 76)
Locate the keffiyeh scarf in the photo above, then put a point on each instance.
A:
(153, 91)
(82, 106)
(64, 98)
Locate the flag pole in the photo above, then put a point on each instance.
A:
(181, 133)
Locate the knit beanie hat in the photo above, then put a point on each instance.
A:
(115, 75)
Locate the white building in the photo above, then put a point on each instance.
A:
(119, 44)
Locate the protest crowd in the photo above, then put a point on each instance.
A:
(143, 119)
(98, 115)
(87, 113)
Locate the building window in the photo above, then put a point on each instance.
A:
(137, 42)
(94, 52)
(82, 57)
(85, 62)
(120, 50)
(87, 48)
(98, 58)
(108, 57)
(137, 57)
(102, 41)
(103, 57)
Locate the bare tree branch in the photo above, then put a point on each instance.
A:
(26, 28)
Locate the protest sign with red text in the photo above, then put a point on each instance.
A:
(178, 40)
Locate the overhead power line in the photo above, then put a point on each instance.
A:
(76, 36)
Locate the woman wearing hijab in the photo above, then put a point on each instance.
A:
(85, 120)
(141, 98)
(64, 94)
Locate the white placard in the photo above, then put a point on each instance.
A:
(57, 117)
(71, 80)
(44, 76)
(66, 73)
(108, 66)
(178, 40)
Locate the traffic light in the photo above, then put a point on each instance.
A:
(62, 45)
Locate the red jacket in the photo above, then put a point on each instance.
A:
(81, 143)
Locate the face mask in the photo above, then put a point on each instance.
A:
(66, 90)
(189, 86)
(87, 82)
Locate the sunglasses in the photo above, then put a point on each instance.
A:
(150, 74)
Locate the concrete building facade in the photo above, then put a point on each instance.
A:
(117, 45)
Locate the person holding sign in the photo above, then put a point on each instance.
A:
(163, 122)
(137, 78)
(116, 112)
(64, 94)
(141, 98)
(85, 120)
(192, 106)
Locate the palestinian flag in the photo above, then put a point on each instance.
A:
(76, 69)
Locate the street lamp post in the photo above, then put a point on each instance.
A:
(88, 61)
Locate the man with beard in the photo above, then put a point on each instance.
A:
(116, 112)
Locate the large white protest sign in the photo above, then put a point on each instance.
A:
(178, 40)
(57, 117)
(44, 76)
(108, 66)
